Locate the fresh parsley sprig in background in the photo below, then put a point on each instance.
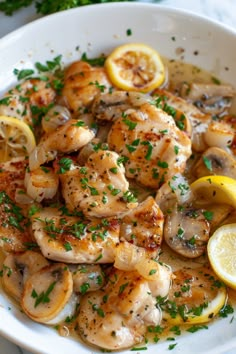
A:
(47, 7)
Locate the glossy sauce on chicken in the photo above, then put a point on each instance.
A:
(104, 204)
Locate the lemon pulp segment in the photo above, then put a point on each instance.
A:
(135, 67)
(16, 138)
(221, 250)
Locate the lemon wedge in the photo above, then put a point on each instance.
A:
(135, 67)
(218, 189)
(16, 138)
(196, 296)
(221, 251)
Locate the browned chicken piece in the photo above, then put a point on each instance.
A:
(99, 188)
(22, 100)
(117, 317)
(12, 174)
(73, 239)
(82, 83)
(154, 148)
(14, 223)
(70, 137)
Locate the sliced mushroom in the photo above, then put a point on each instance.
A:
(48, 294)
(17, 268)
(87, 277)
(215, 161)
(210, 98)
(109, 107)
(186, 231)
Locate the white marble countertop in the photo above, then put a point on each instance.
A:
(222, 11)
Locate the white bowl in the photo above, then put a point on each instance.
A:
(95, 30)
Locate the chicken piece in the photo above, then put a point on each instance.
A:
(69, 137)
(199, 121)
(99, 188)
(24, 98)
(117, 317)
(73, 239)
(14, 226)
(153, 147)
(143, 226)
(12, 175)
(82, 83)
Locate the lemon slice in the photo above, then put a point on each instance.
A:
(135, 67)
(196, 297)
(16, 138)
(221, 250)
(218, 189)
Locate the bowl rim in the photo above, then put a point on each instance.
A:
(162, 7)
(129, 5)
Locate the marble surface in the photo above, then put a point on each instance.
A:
(221, 11)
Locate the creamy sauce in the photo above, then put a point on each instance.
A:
(178, 72)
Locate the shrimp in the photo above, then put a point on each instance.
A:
(99, 188)
(153, 147)
(67, 138)
(74, 239)
(118, 316)
(24, 97)
(82, 84)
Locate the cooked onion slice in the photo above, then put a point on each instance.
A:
(56, 116)
(128, 255)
